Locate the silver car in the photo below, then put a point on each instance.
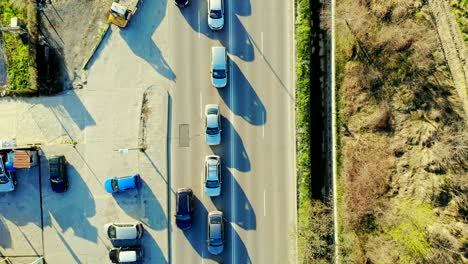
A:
(213, 175)
(216, 14)
(215, 232)
(123, 231)
(212, 124)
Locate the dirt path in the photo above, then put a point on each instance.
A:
(453, 46)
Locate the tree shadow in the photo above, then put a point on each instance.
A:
(139, 32)
(142, 205)
(197, 19)
(245, 214)
(247, 105)
(72, 208)
(5, 242)
(240, 161)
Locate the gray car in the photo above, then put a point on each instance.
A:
(123, 231)
(212, 124)
(215, 232)
(213, 175)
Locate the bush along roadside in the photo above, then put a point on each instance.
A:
(20, 51)
(315, 224)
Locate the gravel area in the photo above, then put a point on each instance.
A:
(72, 28)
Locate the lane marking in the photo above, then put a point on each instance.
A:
(198, 19)
(264, 203)
(231, 102)
(263, 127)
(201, 106)
(261, 46)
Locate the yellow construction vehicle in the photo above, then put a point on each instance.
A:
(122, 11)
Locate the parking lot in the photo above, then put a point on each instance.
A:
(89, 127)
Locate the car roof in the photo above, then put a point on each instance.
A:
(126, 182)
(127, 256)
(215, 231)
(125, 231)
(212, 120)
(183, 203)
(212, 172)
(215, 4)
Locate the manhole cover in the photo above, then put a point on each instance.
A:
(184, 135)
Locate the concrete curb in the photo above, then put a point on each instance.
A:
(96, 46)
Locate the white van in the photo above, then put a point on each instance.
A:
(219, 69)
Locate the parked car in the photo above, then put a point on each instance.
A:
(118, 184)
(219, 69)
(126, 254)
(213, 175)
(216, 14)
(181, 3)
(212, 124)
(122, 231)
(184, 208)
(215, 232)
(7, 182)
(58, 176)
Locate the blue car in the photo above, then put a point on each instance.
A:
(118, 184)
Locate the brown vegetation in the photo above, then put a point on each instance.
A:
(405, 145)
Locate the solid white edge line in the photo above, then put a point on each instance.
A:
(201, 106)
(261, 37)
(231, 102)
(198, 19)
(333, 129)
(264, 202)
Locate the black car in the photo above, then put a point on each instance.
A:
(184, 208)
(181, 3)
(58, 173)
(126, 254)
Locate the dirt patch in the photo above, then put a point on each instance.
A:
(71, 29)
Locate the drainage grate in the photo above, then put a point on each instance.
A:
(184, 135)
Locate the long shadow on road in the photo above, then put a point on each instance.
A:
(240, 160)
(143, 206)
(139, 32)
(196, 16)
(248, 104)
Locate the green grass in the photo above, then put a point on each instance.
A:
(17, 52)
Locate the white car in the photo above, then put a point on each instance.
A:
(213, 175)
(212, 124)
(216, 14)
(123, 231)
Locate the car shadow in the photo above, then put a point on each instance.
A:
(139, 32)
(247, 104)
(229, 135)
(196, 16)
(245, 216)
(152, 253)
(241, 254)
(142, 205)
(72, 208)
(197, 234)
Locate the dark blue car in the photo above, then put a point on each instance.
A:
(118, 184)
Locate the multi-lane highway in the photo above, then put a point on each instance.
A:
(257, 149)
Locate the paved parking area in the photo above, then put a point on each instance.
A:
(89, 126)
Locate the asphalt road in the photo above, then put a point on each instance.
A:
(257, 150)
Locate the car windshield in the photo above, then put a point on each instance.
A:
(112, 232)
(212, 130)
(183, 216)
(4, 179)
(115, 185)
(216, 242)
(56, 179)
(212, 184)
(219, 74)
(216, 14)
